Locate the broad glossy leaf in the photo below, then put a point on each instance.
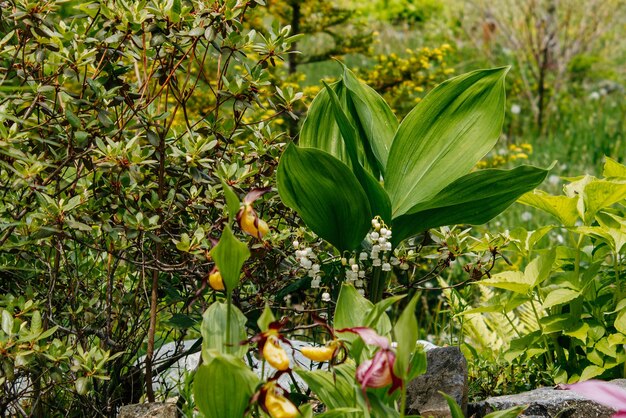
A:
(223, 387)
(320, 130)
(213, 331)
(375, 117)
(377, 196)
(472, 199)
(229, 255)
(326, 195)
(444, 136)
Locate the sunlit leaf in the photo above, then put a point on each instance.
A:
(444, 136)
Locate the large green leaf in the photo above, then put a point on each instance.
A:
(229, 255)
(223, 387)
(376, 120)
(213, 331)
(472, 199)
(320, 130)
(326, 195)
(378, 198)
(444, 136)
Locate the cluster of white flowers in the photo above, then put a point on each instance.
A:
(307, 259)
(380, 239)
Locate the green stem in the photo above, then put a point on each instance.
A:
(374, 284)
(545, 339)
(403, 400)
(229, 303)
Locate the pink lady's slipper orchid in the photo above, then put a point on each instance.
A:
(377, 372)
(603, 393)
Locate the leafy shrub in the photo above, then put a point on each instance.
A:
(118, 119)
(565, 308)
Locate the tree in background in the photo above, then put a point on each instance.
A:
(544, 38)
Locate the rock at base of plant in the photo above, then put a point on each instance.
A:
(446, 372)
(546, 403)
(149, 410)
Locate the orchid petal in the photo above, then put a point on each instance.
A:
(603, 393)
(375, 373)
(369, 336)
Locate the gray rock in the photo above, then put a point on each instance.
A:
(148, 410)
(446, 372)
(546, 403)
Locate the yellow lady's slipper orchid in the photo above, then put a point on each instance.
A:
(215, 280)
(250, 222)
(319, 353)
(280, 407)
(274, 354)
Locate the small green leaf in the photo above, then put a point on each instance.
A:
(406, 334)
(590, 372)
(561, 207)
(559, 297)
(613, 169)
(601, 194)
(72, 119)
(266, 318)
(223, 387)
(232, 201)
(507, 413)
(7, 322)
(326, 195)
(82, 385)
(444, 136)
(35, 323)
(229, 255)
(455, 409)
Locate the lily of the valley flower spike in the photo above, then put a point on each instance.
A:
(603, 393)
(247, 217)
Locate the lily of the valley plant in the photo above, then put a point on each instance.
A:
(355, 161)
